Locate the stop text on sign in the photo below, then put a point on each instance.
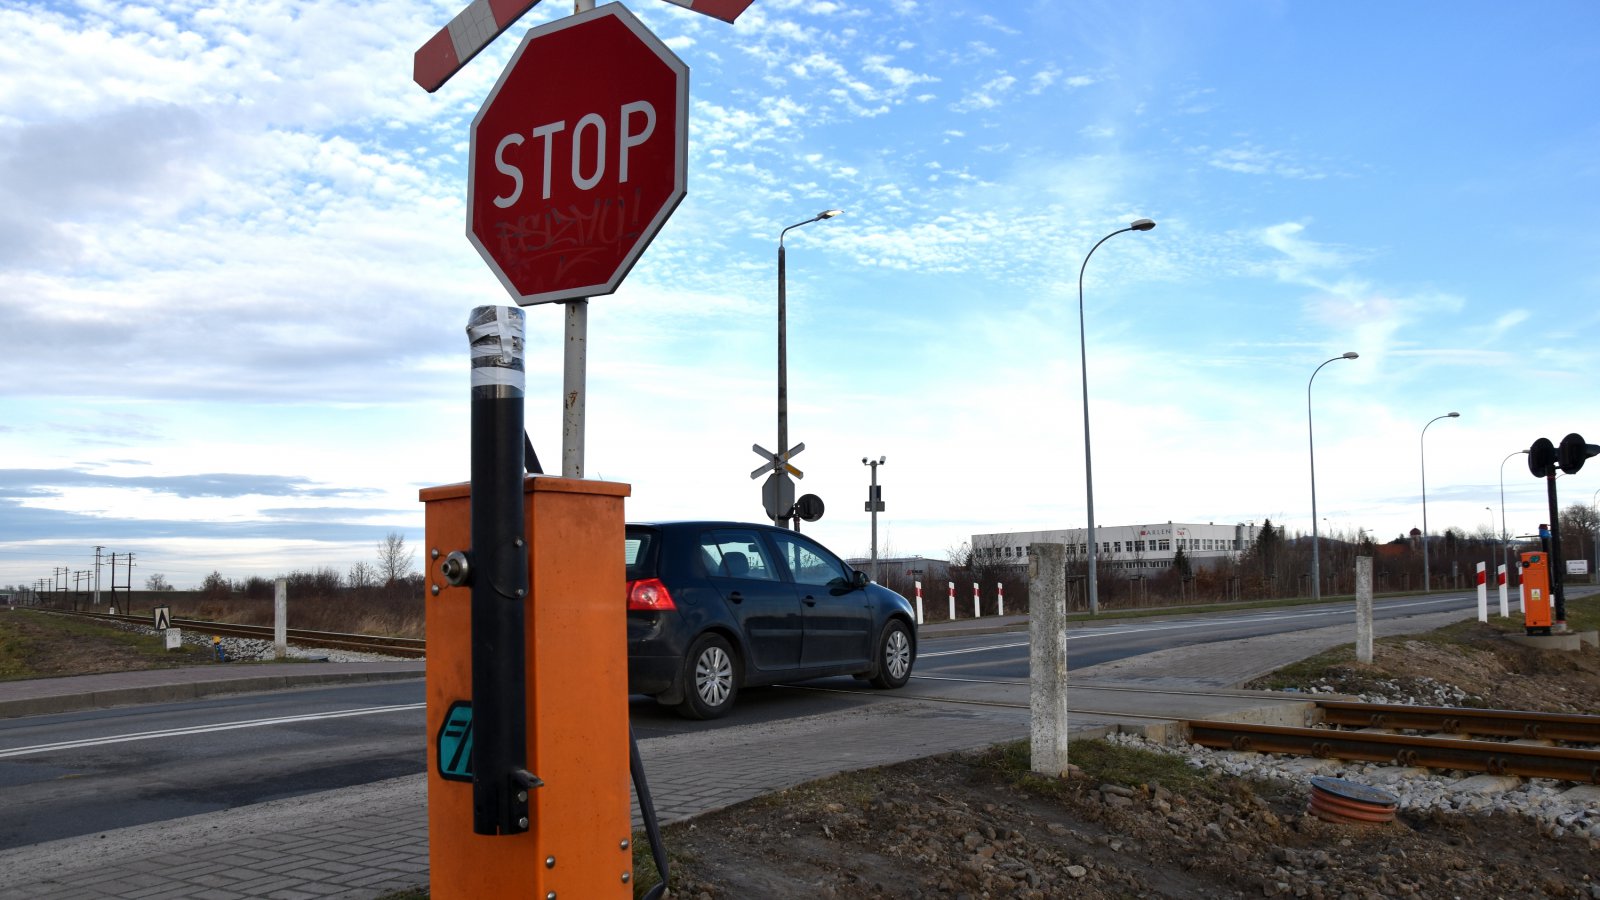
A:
(579, 155)
(585, 148)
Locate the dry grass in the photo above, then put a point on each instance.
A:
(374, 613)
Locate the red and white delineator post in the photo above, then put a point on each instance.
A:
(952, 601)
(1500, 575)
(977, 604)
(1483, 593)
(1000, 598)
(919, 601)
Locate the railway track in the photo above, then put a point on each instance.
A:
(1494, 741)
(414, 648)
(1531, 745)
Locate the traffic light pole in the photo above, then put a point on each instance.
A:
(1557, 567)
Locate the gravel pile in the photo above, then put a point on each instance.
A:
(238, 649)
(1412, 691)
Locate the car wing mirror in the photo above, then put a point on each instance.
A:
(859, 579)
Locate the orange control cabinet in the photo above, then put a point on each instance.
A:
(579, 841)
(1536, 592)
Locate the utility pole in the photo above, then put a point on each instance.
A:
(129, 585)
(874, 506)
(97, 550)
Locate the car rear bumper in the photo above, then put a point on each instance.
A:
(652, 674)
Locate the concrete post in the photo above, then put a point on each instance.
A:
(1364, 609)
(1047, 658)
(280, 618)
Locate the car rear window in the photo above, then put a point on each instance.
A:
(640, 553)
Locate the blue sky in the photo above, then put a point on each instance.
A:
(235, 279)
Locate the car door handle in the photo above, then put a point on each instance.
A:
(736, 597)
(810, 600)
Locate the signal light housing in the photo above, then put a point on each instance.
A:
(649, 595)
(1573, 451)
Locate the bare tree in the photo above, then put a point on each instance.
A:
(362, 575)
(157, 582)
(216, 587)
(394, 558)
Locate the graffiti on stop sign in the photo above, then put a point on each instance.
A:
(578, 156)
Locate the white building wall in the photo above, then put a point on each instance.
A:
(1146, 549)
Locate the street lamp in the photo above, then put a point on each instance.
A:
(874, 506)
(1316, 540)
(783, 349)
(1083, 358)
(1595, 509)
(1505, 557)
(1427, 583)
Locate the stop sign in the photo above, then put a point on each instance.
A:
(579, 154)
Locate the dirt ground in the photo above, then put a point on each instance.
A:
(1139, 824)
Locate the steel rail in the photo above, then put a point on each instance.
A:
(1493, 757)
(366, 643)
(1572, 728)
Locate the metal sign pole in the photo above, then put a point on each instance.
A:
(575, 362)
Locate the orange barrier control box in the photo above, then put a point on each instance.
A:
(579, 840)
(1536, 592)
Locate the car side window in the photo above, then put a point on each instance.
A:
(732, 553)
(809, 563)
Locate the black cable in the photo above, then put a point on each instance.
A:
(647, 811)
(530, 459)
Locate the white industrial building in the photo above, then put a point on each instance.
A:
(1142, 549)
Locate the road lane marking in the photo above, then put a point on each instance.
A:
(203, 729)
(1114, 630)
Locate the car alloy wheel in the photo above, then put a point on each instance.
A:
(897, 654)
(713, 676)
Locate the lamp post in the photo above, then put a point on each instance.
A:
(1427, 582)
(1083, 358)
(874, 506)
(783, 349)
(1594, 577)
(1316, 540)
(1505, 538)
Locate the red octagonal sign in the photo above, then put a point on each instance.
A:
(579, 155)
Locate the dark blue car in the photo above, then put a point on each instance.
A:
(716, 606)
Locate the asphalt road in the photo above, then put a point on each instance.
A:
(79, 773)
(85, 772)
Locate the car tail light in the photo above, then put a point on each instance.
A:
(649, 595)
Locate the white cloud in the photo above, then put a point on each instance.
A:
(988, 96)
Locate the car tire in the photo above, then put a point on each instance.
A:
(711, 675)
(895, 656)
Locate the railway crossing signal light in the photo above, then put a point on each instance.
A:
(1544, 457)
(1573, 451)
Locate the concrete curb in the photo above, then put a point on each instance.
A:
(178, 691)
